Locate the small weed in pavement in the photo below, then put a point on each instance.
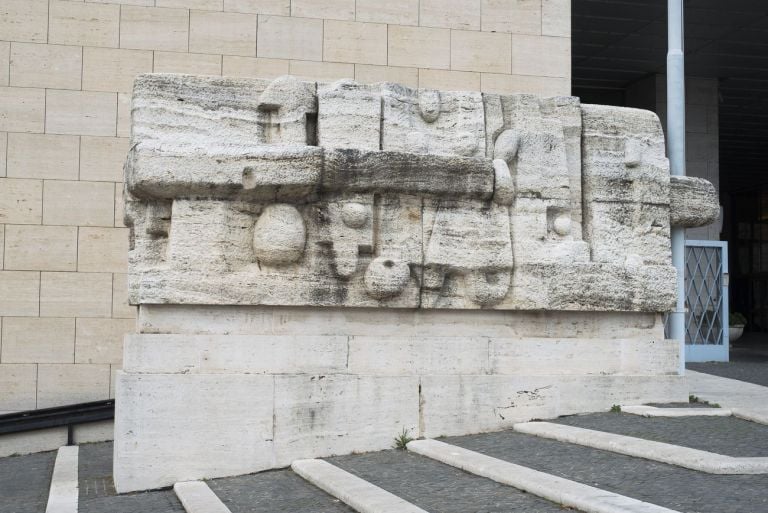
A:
(401, 440)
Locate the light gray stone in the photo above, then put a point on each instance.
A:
(319, 267)
(692, 202)
(234, 354)
(183, 427)
(402, 203)
(326, 415)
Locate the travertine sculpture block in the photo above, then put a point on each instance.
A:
(279, 208)
(252, 192)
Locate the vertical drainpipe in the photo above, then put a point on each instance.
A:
(676, 145)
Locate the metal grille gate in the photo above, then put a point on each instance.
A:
(706, 301)
(706, 298)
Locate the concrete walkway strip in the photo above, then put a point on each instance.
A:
(652, 411)
(197, 497)
(357, 493)
(556, 489)
(746, 400)
(63, 494)
(694, 459)
(751, 415)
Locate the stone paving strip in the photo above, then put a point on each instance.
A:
(63, 495)
(652, 411)
(673, 487)
(434, 486)
(728, 436)
(747, 400)
(556, 489)
(353, 491)
(694, 459)
(752, 416)
(196, 497)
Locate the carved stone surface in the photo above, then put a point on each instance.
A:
(693, 202)
(245, 191)
(325, 265)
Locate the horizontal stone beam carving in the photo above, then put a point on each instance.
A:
(693, 202)
(283, 192)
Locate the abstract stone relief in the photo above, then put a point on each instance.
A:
(283, 192)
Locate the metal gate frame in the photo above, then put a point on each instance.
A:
(699, 297)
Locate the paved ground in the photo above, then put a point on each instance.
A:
(722, 435)
(439, 488)
(749, 361)
(680, 489)
(24, 482)
(274, 491)
(97, 492)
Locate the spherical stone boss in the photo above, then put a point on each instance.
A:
(386, 277)
(354, 215)
(279, 235)
(562, 225)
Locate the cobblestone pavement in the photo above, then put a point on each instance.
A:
(273, 491)
(24, 482)
(436, 487)
(722, 435)
(97, 491)
(687, 491)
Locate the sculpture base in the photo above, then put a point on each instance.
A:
(217, 391)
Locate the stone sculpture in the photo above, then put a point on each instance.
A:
(295, 247)
(276, 193)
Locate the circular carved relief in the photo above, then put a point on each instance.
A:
(354, 215)
(386, 277)
(279, 235)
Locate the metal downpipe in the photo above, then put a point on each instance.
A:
(676, 148)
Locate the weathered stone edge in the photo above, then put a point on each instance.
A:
(197, 497)
(652, 411)
(686, 457)
(357, 493)
(63, 495)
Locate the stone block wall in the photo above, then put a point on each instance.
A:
(66, 71)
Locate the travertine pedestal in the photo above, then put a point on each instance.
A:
(319, 267)
(217, 391)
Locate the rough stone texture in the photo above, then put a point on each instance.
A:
(320, 266)
(245, 191)
(171, 428)
(693, 201)
(313, 382)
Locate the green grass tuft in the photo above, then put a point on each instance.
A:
(401, 440)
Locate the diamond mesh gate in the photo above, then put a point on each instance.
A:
(706, 297)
